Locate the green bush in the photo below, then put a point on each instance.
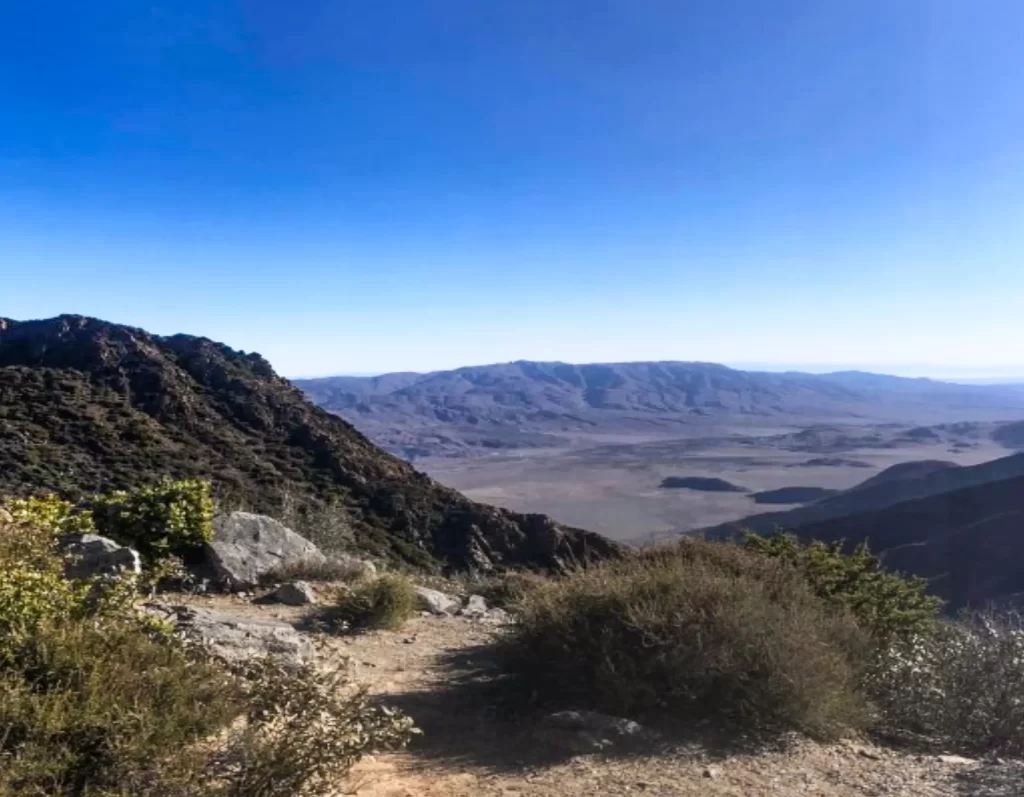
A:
(698, 631)
(95, 703)
(386, 603)
(90, 707)
(169, 518)
(890, 606)
(49, 512)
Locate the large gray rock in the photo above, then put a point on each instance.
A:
(90, 555)
(437, 602)
(247, 547)
(236, 639)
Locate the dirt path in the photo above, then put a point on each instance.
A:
(435, 670)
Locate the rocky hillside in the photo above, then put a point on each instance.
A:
(960, 527)
(524, 403)
(87, 405)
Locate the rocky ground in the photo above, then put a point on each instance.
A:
(436, 669)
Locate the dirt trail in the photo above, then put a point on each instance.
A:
(434, 668)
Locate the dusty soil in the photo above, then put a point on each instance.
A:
(436, 669)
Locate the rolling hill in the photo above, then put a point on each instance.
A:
(524, 404)
(87, 405)
(907, 481)
(960, 527)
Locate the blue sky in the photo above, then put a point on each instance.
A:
(367, 186)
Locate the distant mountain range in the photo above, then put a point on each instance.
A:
(524, 404)
(960, 527)
(86, 405)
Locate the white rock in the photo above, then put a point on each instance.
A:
(956, 760)
(437, 602)
(88, 555)
(236, 639)
(475, 606)
(295, 593)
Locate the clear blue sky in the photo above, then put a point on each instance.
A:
(371, 185)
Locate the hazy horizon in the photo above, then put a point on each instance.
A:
(963, 375)
(354, 187)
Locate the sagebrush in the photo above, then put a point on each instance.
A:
(386, 603)
(698, 631)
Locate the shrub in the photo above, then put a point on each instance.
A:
(704, 630)
(890, 606)
(51, 513)
(306, 726)
(386, 602)
(961, 686)
(88, 708)
(332, 568)
(169, 518)
(504, 591)
(94, 703)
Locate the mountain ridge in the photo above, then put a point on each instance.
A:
(529, 403)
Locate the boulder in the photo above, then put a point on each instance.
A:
(355, 569)
(236, 639)
(476, 607)
(89, 555)
(582, 732)
(295, 593)
(437, 602)
(246, 547)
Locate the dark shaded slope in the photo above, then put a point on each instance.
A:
(878, 494)
(917, 469)
(969, 542)
(87, 405)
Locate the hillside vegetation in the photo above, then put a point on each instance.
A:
(89, 406)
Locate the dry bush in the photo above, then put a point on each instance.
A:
(385, 603)
(504, 591)
(334, 569)
(961, 686)
(305, 728)
(701, 631)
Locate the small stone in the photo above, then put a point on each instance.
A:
(710, 772)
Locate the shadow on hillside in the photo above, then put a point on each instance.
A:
(480, 719)
(992, 779)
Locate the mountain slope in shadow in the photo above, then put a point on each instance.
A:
(87, 405)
